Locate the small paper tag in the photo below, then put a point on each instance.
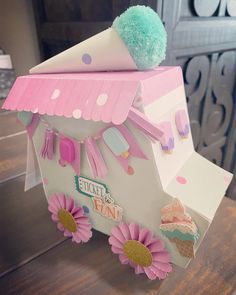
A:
(107, 210)
(90, 188)
(103, 203)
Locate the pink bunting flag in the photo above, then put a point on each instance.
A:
(33, 125)
(96, 161)
(48, 145)
(123, 145)
(69, 153)
(141, 122)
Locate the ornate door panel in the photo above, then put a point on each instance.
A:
(202, 40)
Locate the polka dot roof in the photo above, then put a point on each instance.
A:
(105, 96)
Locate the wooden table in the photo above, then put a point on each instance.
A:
(36, 259)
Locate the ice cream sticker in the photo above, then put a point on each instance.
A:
(102, 201)
(178, 226)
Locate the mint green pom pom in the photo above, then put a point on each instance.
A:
(144, 35)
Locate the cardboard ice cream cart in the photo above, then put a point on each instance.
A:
(115, 152)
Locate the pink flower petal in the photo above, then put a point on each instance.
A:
(115, 242)
(139, 269)
(116, 250)
(56, 201)
(53, 207)
(84, 226)
(82, 220)
(166, 267)
(116, 232)
(60, 226)
(134, 230)
(67, 233)
(123, 259)
(85, 235)
(148, 239)
(125, 230)
(150, 274)
(70, 203)
(161, 256)
(61, 200)
(143, 235)
(159, 273)
(74, 209)
(79, 213)
(156, 246)
(76, 238)
(54, 217)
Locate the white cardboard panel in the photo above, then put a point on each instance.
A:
(33, 175)
(169, 164)
(206, 185)
(107, 51)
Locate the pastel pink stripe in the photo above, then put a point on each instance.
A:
(91, 100)
(79, 93)
(97, 109)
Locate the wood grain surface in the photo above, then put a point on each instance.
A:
(9, 126)
(92, 269)
(26, 229)
(12, 157)
(12, 146)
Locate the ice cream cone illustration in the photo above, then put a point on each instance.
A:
(185, 248)
(178, 226)
(136, 40)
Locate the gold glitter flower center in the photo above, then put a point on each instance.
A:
(137, 253)
(67, 220)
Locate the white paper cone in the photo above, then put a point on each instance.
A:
(102, 52)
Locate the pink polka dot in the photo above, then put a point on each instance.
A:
(87, 59)
(181, 180)
(227, 178)
(45, 181)
(130, 170)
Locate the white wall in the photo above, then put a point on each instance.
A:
(18, 34)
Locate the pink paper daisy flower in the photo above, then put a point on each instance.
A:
(70, 218)
(141, 250)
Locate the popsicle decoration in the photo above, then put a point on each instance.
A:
(69, 153)
(136, 41)
(167, 139)
(123, 146)
(182, 123)
(116, 142)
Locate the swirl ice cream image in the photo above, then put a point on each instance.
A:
(178, 226)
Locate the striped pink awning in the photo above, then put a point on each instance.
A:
(103, 97)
